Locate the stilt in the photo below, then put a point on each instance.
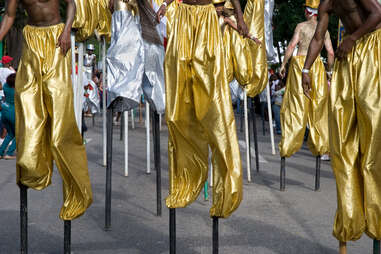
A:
(255, 133)
(23, 219)
(67, 237)
(215, 235)
(121, 119)
(343, 248)
(172, 231)
(108, 170)
(211, 172)
(157, 158)
(206, 195)
(283, 174)
(148, 139)
(104, 106)
(125, 121)
(270, 120)
(247, 139)
(241, 116)
(93, 118)
(376, 246)
(132, 119)
(317, 176)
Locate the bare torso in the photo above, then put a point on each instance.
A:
(306, 33)
(351, 12)
(42, 12)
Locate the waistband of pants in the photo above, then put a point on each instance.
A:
(32, 28)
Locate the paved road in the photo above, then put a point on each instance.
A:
(267, 222)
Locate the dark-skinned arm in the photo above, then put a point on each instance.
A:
(369, 25)
(163, 8)
(241, 25)
(316, 44)
(233, 25)
(64, 39)
(9, 18)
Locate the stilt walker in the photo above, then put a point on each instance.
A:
(47, 93)
(354, 97)
(297, 110)
(203, 118)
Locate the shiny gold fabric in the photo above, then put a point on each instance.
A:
(297, 110)
(132, 6)
(314, 4)
(46, 128)
(92, 15)
(199, 113)
(355, 136)
(255, 20)
(104, 19)
(238, 53)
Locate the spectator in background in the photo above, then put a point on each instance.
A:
(5, 71)
(278, 99)
(8, 118)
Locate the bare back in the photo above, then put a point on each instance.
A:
(305, 34)
(42, 12)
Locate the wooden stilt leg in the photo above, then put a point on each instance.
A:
(283, 174)
(67, 237)
(317, 176)
(172, 231)
(215, 235)
(343, 248)
(376, 246)
(23, 219)
(108, 170)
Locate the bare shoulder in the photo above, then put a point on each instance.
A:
(326, 6)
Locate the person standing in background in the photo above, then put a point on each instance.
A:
(8, 118)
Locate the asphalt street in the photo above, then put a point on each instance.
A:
(268, 221)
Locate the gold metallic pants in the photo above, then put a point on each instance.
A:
(45, 124)
(355, 136)
(238, 53)
(297, 110)
(199, 113)
(255, 20)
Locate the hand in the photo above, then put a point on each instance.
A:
(282, 71)
(64, 42)
(161, 12)
(306, 83)
(345, 47)
(242, 27)
(111, 5)
(329, 76)
(255, 39)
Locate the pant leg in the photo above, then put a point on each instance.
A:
(276, 111)
(293, 113)
(318, 141)
(368, 97)
(344, 144)
(66, 142)
(214, 111)
(34, 162)
(187, 141)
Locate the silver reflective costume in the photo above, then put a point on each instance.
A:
(125, 60)
(269, 8)
(236, 91)
(92, 100)
(134, 65)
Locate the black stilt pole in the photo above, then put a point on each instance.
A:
(172, 231)
(108, 170)
(215, 235)
(157, 159)
(23, 219)
(317, 177)
(376, 247)
(67, 237)
(283, 174)
(241, 115)
(249, 130)
(255, 133)
(121, 127)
